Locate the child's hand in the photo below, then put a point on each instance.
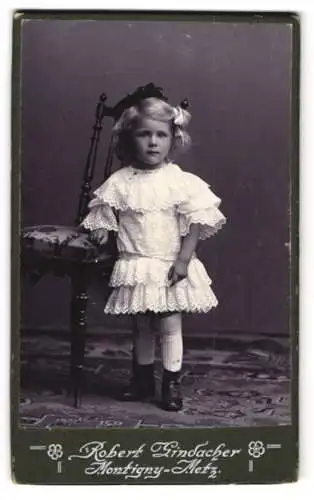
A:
(177, 272)
(99, 236)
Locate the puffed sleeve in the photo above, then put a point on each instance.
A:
(101, 209)
(199, 206)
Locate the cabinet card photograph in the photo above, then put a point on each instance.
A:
(154, 240)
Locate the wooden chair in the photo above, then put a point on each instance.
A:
(68, 251)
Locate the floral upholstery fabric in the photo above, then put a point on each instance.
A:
(65, 242)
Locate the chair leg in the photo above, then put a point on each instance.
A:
(79, 298)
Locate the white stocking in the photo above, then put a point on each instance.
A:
(171, 342)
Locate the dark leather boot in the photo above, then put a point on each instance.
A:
(171, 391)
(142, 384)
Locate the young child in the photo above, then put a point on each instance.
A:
(158, 213)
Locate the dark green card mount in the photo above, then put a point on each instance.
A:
(145, 456)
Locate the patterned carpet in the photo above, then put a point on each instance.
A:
(229, 383)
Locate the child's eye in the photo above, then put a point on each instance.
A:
(147, 133)
(142, 133)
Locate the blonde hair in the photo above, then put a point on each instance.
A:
(154, 108)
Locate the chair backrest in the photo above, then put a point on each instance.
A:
(102, 110)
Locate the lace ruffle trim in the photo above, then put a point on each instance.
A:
(148, 271)
(126, 300)
(100, 217)
(210, 220)
(142, 192)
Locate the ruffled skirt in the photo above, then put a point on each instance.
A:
(141, 284)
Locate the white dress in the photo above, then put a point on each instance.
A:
(150, 210)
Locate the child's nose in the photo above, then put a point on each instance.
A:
(153, 139)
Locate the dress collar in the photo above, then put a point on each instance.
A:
(146, 171)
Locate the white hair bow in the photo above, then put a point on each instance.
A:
(178, 118)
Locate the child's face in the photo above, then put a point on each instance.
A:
(152, 141)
